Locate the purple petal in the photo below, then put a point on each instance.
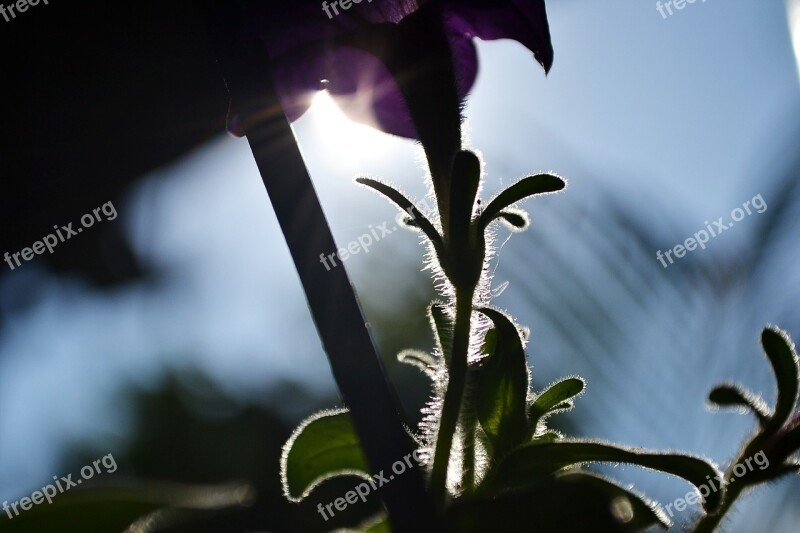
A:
(522, 20)
(366, 92)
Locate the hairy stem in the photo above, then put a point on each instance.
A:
(453, 396)
(709, 522)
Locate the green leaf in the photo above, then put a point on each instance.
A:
(442, 326)
(549, 436)
(574, 502)
(323, 446)
(378, 523)
(552, 398)
(489, 342)
(780, 352)
(514, 219)
(423, 361)
(463, 190)
(735, 397)
(538, 184)
(418, 220)
(534, 460)
(635, 510)
(502, 387)
(117, 508)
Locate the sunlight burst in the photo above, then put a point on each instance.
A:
(342, 135)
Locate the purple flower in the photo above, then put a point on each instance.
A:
(365, 53)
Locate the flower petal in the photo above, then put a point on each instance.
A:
(522, 20)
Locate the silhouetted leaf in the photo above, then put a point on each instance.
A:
(574, 502)
(733, 396)
(641, 512)
(323, 446)
(552, 398)
(489, 342)
(117, 508)
(548, 436)
(538, 184)
(418, 219)
(442, 326)
(375, 524)
(531, 461)
(502, 387)
(780, 352)
(419, 359)
(514, 219)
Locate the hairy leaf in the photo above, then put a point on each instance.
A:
(538, 184)
(418, 220)
(640, 512)
(502, 387)
(423, 361)
(553, 398)
(442, 328)
(514, 219)
(531, 461)
(117, 508)
(548, 436)
(323, 446)
(733, 396)
(780, 352)
(575, 502)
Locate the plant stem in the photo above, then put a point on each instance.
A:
(709, 522)
(453, 396)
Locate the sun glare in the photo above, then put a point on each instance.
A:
(344, 136)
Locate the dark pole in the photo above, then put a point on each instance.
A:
(335, 309)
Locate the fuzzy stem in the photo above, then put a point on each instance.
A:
(709, 522)
(453, 396)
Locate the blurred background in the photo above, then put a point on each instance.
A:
(177, 336)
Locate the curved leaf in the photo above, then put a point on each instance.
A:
(423, 361)
(502, 387)
(548, 436)
(575, 502)
(534, 460)
(780, 351)
(735, 397)
(442, 326)
(417, 219)
(538, 184)
(514, 219)
(639, 513)
(116, 508)
(323, 446)
(552, 398)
